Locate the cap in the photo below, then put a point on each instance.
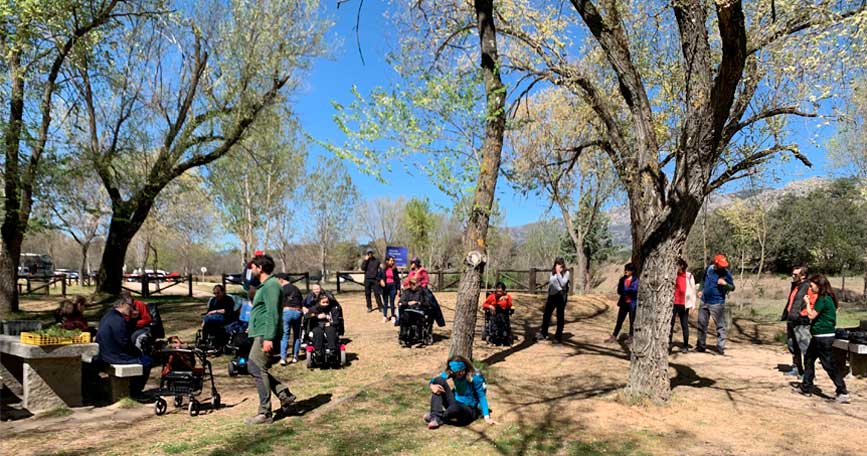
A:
(258, 253)
(720, 260)
(368, 251)
(283, 276)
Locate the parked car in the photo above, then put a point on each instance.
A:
(71, 274)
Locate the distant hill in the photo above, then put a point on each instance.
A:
(769, 197)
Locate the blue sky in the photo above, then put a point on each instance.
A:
(332, 79)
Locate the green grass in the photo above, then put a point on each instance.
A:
(56, 413)
(127, 403)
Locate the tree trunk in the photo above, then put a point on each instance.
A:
(85, 246)
(581, 269)
(476, 233)
(12, 231)
(10, 257)
(126, 220)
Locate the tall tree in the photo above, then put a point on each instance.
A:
(674, 87)
(166, 96)
(332, 198)
(79, 207)
(551, 156)
(381, 221)
(253, 185)
(36, 39)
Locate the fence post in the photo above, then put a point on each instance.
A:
(63, 286)
(307, 280)
(223, 276)
(338, 281)
(29, 289)
(190, 282)
(532, 281)
(145, 287)
(441, 283)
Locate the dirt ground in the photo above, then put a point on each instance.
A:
(547, 399)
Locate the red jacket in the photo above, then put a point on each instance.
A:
(75, 322)
(144, 317)
(505, 302)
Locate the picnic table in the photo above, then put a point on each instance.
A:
(45, 377)
(856, 354)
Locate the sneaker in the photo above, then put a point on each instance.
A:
(610, 340)
(426, 417)
(792, 373)
(541, 336)
(433, 424)
(259, 419)
(805, 391)
(369, 309)
(385, 319)
(700, 349)
(282, 361)
(294, 360)
(722, 352)
(287, 400)
(842, 399)
(629, 340)
(684, 350)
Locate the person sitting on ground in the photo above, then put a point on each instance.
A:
(312, 298)
(221, 312)
(823, 323)
(627, 289)
(115, 343)
(292, 313)
(461, 404)
(327, 324)
(499, 299)
(70, 317)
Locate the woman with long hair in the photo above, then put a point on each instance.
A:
(390, 283)
(558, 294)
(823, 322)
(464, 402)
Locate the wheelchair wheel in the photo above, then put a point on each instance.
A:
(309, 362)
(342, 357)
(160, 406)
(179, 401)
(215, 401)
(232, 370)
(193, 407)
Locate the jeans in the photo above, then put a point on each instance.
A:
(388, 298)
(444, 408)
(372, 286)
(258, 365)
(718, 312)
(820, 348)
(291, 320)
(622, 312)
(555, 301)
(682, 313)
(798, 340)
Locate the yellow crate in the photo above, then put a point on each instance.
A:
(30, 338)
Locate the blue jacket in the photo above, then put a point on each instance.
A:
(631, 291)
(115, 346)
(713, 293)
(471, 394)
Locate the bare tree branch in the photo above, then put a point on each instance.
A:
(747, 166)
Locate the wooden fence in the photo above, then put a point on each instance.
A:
(525, 281)
(294, 277)
(46, 281)
(146, 279)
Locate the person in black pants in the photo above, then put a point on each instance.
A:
(461, 404)
(327, 324)
(558, 294)
(627, 288)
(370, 266)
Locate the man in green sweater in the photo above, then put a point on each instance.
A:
(264, 328)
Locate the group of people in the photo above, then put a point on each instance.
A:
(717, 283)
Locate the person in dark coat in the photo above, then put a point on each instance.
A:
(115, 344)
(370, 266)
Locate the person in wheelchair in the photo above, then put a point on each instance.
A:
(325, 320)
(416, 315)
(498, 308)
(220, 313)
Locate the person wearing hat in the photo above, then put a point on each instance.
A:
(461, 404)
(291, 318)
(370, 266)
(718, 282)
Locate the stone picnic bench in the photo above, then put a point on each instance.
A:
(856, 353)
(44, 377)
(48, 377)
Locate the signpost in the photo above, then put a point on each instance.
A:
(399, 254)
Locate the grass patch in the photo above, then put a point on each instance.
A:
(127, 402)
(56, 412)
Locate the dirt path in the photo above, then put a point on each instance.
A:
(548, 399)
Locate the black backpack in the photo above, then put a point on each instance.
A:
(156, 325)
(858, 337)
